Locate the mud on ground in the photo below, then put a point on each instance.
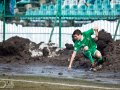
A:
(23, 51)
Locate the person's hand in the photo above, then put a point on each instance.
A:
(85, 48)
(69, 67)
(95, 28)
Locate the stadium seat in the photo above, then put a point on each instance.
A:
(36, 12)
(106, 6)
(107, 9)
(28, 12)
(106, 2)
(98, 2)
(116, 9)
(43, 9)
(82, 11)
(107, 12)
(98, 10)
(116, 6)
(74, 10)
(97, 6)
(90, 10)
(91, 1)
(66, 11)
(51, 10)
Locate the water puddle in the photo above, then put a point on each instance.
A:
(54, 71)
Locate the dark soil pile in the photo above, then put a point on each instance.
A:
(112, 56)
(14, 49)
(17, 50)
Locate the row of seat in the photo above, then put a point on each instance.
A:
(96, 9)
(62, 1)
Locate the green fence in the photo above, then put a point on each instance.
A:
(54, 15)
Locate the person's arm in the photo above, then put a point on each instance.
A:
(72, 59)
(93, 32)
(96, 33)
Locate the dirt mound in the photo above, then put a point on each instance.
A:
(14, 46)
(23, 51)
(103, 35)
(14, 49)
(112, 56)
(110, 50)
(104, 39)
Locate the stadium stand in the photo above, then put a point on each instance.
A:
(96, 9)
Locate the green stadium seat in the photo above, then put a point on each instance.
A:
(36, 12)
(82, 11)
(91, 1)
(66, 11)
(116, 10)
(43, 10)
(116, 6)
(74, 11)
(98, 10)
(108, 12)
(28, 12)
(98, 2)
(51, 10)
(106, 6)
(107, 9)
(90, 10)
(106, 2)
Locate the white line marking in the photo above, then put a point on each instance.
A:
(4, 84)
(70, 85)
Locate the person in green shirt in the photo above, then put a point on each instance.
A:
(85, 42)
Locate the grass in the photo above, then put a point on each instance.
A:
(21, 85)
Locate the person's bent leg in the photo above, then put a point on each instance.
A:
(88, 54)
(99, 57)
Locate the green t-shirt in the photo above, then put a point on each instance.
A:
(86, 41)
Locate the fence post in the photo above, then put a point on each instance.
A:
(4, 22)
(60, 25)
(116, 29)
